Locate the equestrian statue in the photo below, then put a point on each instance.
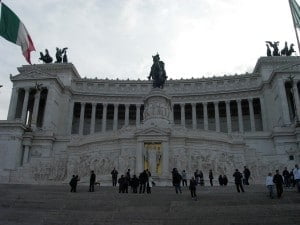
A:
(158, 73)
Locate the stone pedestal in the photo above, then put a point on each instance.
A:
(158, 110)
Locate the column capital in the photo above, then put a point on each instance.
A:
(250, 100)
(193, 104)
(83, 103)
(116, 104)
(227, 102)
(94, 104)
(138, 105)
(216, 103)
(182, 104)
(239, 101)
(26, 89)
(127, 105)
(204, 103)
(104, 104)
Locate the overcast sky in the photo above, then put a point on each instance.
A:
(116, 38)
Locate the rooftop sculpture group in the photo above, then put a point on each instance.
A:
(61, 56)
(158, 73)
(286, 51)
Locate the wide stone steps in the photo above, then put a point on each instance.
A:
(53, 205)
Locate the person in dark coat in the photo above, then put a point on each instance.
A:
(221, 182)
(73, 183)
(143, 178)
(176, 181)
(225, 180)
(246, 175)
(286, 176)
(192, 187)
(114, 175)
(134, 184)
(121, 183)
(211, 177)
(92, 181)
(278, 181)
(238, 180)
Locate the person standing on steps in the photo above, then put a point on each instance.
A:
(270, 185)
(246, 175)
(192, 188)
(238, 181)
(184, 180)
(296, 173)
(278, 181)
(114, 175)
(92, 181)
(286, 176)
(176, 181)
(143, 178)
(211, 177)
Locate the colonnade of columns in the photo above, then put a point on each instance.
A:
(182, 116)
(289, 105)
(228, 115)
(104, 116)
(22, 113)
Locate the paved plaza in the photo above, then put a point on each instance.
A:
(55, 205)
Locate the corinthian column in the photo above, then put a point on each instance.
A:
(251, 111)
(35, 108)
(217, 116)
(182, 114)
(127, 114)
(205, 116)
(25, 105)
(138, 115)
(297, 101)
(194, 117)
(263, 113)
(81, 120)
(240, 115)
(284, 103)
(116, 109)
(13, 104)
(93, 118)
(228, 117)
(104, 117)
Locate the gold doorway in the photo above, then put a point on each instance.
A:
(157, 148)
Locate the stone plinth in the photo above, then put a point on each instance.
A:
(158, 108)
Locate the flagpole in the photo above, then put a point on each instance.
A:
(295, 26)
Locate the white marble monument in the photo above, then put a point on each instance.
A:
(71, 125)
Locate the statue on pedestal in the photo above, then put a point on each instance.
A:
(158, 73)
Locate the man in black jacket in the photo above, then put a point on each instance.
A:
(143, 181)
(238, 180)
(114, 175)
(92, 181)
(246, 175)
(278, 181)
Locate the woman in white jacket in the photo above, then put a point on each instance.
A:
(270, 184)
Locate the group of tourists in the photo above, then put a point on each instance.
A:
(287, 179)
(144, 182)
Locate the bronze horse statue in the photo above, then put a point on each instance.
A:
(158, 73)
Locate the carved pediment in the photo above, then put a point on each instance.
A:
(33, 75)
(288, 68)
(153, 131)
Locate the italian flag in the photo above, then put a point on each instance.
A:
(13, 30)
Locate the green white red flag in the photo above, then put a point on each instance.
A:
(13, 30)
